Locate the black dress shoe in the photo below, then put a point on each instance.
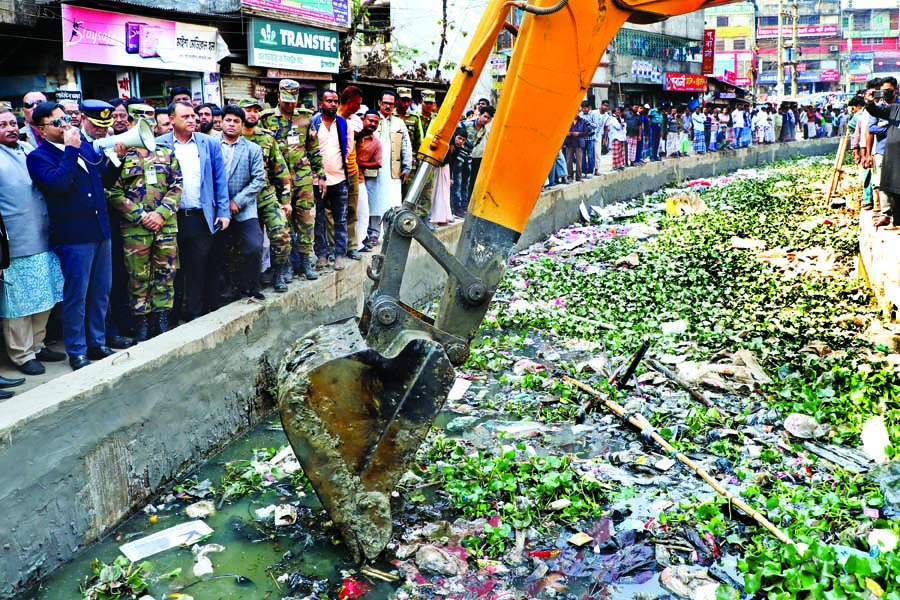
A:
(32, 367)
(256, 294)
(48, 355)
(78, 361)
(7, 383)
(353, 255)
(99, 352)
(119, 342)
(4, 394)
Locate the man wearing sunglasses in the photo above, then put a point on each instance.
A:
(29, 129)
(72, 177)
(74, 111)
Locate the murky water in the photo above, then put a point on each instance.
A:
(255, 554)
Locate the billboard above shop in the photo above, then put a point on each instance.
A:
(289, 46)
(106, 38)
(330, 12)
(684, 82)
(802, 31)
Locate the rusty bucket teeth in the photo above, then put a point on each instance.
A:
(355, 420)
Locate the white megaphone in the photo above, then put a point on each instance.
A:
(139, 136)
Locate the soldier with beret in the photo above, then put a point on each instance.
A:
(292, 128)
(274, 202)
(145, 201)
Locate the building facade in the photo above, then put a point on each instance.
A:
(642, 58)
(219, 49)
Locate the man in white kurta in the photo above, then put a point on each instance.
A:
(385, 189)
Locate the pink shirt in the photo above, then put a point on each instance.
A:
(330, 149)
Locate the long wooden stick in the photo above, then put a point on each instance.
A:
(699, 397)
(838, 167)
(641, 423)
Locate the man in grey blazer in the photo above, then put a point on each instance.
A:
(204, 210)
(246, 179)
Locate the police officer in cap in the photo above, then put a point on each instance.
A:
(97, 119)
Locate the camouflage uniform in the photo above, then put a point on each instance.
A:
(300, 147)
(151, 258)
(269, 201)
(417, 128)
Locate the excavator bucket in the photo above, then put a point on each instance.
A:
(355, 420)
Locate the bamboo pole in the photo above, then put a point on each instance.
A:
(641, 423)
(838, 167)
(698, 396)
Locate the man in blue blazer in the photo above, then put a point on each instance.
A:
(204, 209)
(72, 175)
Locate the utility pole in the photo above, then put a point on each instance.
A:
(779, 82)
(796, 49)
(845, 76)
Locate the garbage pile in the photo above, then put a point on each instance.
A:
(688, 395)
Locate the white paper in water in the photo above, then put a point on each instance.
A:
(184, 534)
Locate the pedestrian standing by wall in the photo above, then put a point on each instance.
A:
(478, 131)
(204, 209)
(368, 159)
(273, 204)
(246, 179)
(385, 189)
(617, 139)
(698, 122)
(601, 135)
(292, 127)
(335, 139)
(145, 202)
(889, 110)
(632, 120)
(71, 176)
(579, 131)
(33, 281)
(591, 117)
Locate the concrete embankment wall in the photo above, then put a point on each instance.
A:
(79, 454)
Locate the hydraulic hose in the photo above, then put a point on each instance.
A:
(539, 10)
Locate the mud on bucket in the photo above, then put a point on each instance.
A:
(355, 420)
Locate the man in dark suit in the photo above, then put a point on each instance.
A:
(72, 175)
(204, 208)
(246, 179)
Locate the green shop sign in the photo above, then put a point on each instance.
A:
(288, 46)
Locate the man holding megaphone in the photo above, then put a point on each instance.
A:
(72, 176)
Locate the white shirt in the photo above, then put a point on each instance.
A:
(737, 117)
(63, 148)
(616, 129)
(188, 156)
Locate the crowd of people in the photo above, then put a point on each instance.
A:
(641, 133)
(111, 244)
(125, 242)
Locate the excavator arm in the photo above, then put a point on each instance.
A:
(358, 399)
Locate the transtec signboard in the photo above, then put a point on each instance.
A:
(290, 46)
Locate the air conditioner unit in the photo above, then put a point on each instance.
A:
(833, 48)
